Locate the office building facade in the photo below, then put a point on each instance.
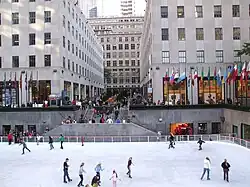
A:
(46, 48)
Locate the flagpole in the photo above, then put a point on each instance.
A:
(203, 87)
(191, 86)
(5, 89)
(168, 80)
(246, 87)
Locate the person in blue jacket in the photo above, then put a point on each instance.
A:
(98, 170)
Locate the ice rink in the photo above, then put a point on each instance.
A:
(155, 164)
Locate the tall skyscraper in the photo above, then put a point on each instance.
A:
(93, 12)
(127, 7)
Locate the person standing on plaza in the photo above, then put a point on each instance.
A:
(225, 166)
(61, 139)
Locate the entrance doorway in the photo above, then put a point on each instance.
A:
(216, 127)
(202, 128)
(6, 129)
(235, 131)
(19, 128)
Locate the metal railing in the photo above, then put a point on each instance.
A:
(110, 139)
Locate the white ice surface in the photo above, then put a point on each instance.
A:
(155, 164)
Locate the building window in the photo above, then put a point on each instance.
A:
(32, 39)
(164, 34)
(219, 56)
(0, 19)
(68, 26)
(126, 46)
(47, 16)
(64, 21)
(68, 45)
(181, 34)
(249, 9)
(64, 42)
(114, 63)
(47, 38)
(64, 62)
(236, 33)
(15, 1)
(199, 34)
(47, 60)
(120, 62)
(218, 34)
(73, 48)
(32, 61)
(15, 18)
(0, 62)
(132, 46)
(15, 61)
(180, 12)
(32, 1)
(237, 58)
(68, 64)
(0, 40)
(182, 57)
(165, 57)
(198, 12)
(15, 40)
(32, 17)
(236, 10)
(120, 47)
(217, 11)
(200, 56)
(108, 55)
(164, 12)
(73, 66)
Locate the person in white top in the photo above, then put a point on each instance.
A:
(207, 167)
(109, 121)
(114, 178)
(81, 171)
(38, 138)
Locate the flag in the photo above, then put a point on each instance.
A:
(26, 81)
(4, 81)
(196, 74)
(248, 69)
(215, 75)
(229, 74)
(202, 74)
(190, 78)
(10, 80)
(37, 81)
(181, 77)
(243, 73)
(30, 80)
(21, 81)
(224, 79)
(219, 82)
(235, 72)
(15, 82)
(208, 76)
(172, 77)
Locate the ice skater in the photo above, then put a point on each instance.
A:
(81, 171)
(200, 142)
(98, 170)
(38, 138)
(207, 167)
(114, 178)
(130, 163)
(82, 139)
(66, 171)
(10, 138)
(22, 142)
(96, 181)
(225, 166)
(51, 143)
(171, 141)
(61, 139)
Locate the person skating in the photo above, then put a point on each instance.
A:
(114, 178)
(66, 171)
(225, 166)
(96, 181)
(206, 169)
(200, 142)
(22, 142)
(10, 138)
(51, 143)
(61, 139)
(38, 138)
(82, 139)
(98, 170)
(81, 171)
(171, 141)
(130, 163)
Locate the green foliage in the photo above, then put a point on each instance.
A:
(245, 50)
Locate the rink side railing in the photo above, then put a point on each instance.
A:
(229, 138)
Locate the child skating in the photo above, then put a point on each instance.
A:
(114, 178)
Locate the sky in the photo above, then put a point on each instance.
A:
(112, 7)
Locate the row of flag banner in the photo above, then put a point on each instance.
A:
(16, 82)
(219, 76)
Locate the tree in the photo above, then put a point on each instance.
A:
(245, 50)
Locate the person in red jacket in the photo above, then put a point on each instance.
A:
(10, 138)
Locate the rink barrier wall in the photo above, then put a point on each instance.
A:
(98, 139)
